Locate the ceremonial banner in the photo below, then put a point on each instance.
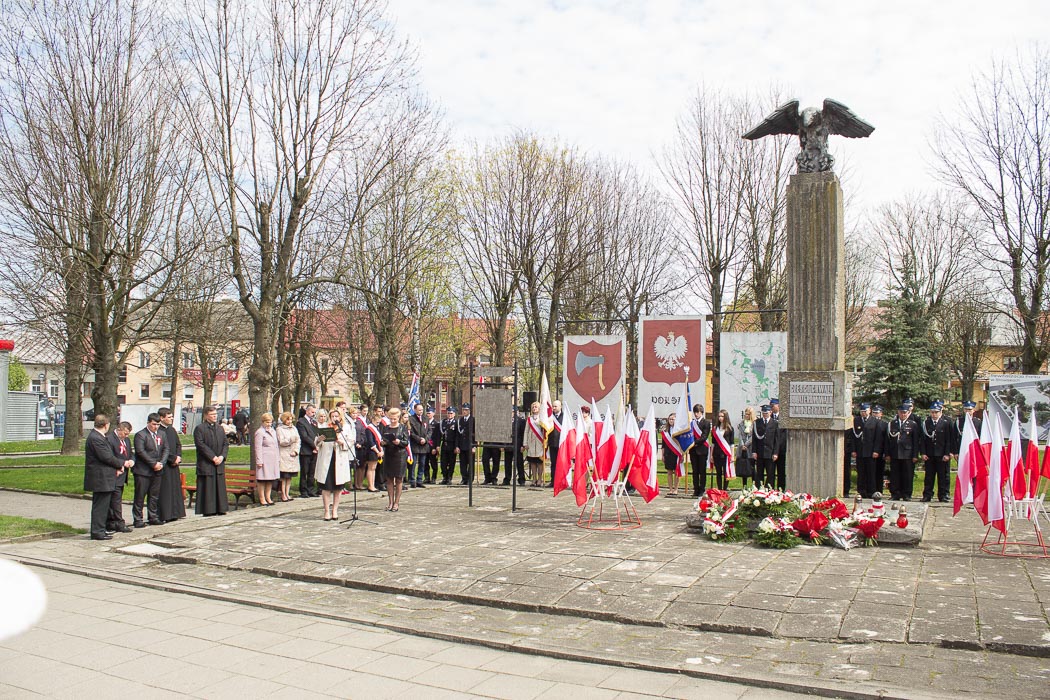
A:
(750, 366)
(594, 370)
(667, 346)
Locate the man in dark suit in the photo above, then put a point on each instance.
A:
(240, 423)
(490, 456)
(882, 441)
(121, 446)
(513, 460)
(101, 466)
(780, 458)
(448, 445)
(903, 449)
(212, 448)
(936, 443)
(419, 439)
(554, 439)
(307, 452)
(868, 449)
(764, 447)
(465, 444)
(959, 424)
(700, 427)
(151, 452)
(430, 474)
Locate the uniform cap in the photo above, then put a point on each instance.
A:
(766, 408)
(865, 406)
(969, 404)
(774, 402)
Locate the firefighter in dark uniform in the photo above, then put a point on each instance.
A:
(937, 444)
(904, 433)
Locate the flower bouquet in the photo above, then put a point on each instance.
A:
(723, 523)
(811, 526)
(776, 533)
(759, 503)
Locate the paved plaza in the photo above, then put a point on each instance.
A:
(938, 620)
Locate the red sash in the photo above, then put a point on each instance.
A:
(540, 434)
(670, 442)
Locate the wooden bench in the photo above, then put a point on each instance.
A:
(239, 482)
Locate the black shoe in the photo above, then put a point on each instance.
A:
(943, 500)
(139, 524)
(124, 528)
(420, 485)
(106, 536)
(155, 522)
(905, 498)
(521, 482)
(926, 500)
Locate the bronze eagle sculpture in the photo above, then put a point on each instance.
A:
(813, 126)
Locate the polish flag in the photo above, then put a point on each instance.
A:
(995, 478)
(625, 445)
(605, 451)
(599, 424)
(642, 470)
(546, 405)
(566, 452)
(1016, 460)
(1032, 456)
(969, 449)
(981, 459)
(584, 459)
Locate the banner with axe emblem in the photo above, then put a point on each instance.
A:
(594, 369)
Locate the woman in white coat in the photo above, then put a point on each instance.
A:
(333, 466)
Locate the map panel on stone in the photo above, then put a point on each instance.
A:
(751, 364)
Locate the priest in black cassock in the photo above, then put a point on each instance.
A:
(172, 503)
(212, 447)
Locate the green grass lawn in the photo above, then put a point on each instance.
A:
(11, 526)
(16, 446)
(238, 456)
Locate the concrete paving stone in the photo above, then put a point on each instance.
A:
(321, 631)
(111, 686)
(404, 667)
(708, 593)
(237, 688)
(217, 631)
(749, 620)
(357, 637)
(560, 691)
(367, 685)
(521, 689)
(698, 689)
(42, 675)
(775, 587)
(958, 630)
(763, 601)
(105, 630)
(348, 658)
(636, 681)
(228, 657)
(313, 677)
(451, 677)
(805, 625)
(10, 692)
(648, 589)
(414, 646)
(867, 627)
(454, 657)
(300, 648)
(257, 640)
(692, 614)
(818, 606)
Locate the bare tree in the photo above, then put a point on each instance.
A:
(285, 100)
(703, 168)
(860, 285)
(917, 231)
(91, 162)
(965, 335)
(995, 150)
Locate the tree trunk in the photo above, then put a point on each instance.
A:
(74, 376)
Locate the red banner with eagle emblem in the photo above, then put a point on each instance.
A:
(669, 348)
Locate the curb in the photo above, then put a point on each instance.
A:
(828, 688)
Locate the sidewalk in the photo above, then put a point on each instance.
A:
(114, 640)
(858, 623)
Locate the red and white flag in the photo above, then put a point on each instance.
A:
(584, 459)
(566, 453)
(605, 449)
(599, 425)
(996, 478)
(969, 449)
(1015, 463)
(624, 445)
(1032, 456)
(642, 470)
(546, 405)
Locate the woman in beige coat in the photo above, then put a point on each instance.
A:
(267, 460)
(333, 466)
(535, 446)
(288, 439)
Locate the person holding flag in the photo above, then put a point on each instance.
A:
(700, 450)
(535, 445)
(673, 456)
(722, 436)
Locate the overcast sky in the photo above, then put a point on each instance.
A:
(612, 76)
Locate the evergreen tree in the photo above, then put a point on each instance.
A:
(904, 362)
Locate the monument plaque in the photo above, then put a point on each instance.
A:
(811, 399)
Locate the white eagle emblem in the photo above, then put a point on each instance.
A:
(670, 350)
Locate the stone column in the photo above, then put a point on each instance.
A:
(814, 391)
